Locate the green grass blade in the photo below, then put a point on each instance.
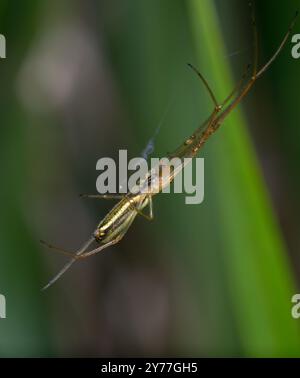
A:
(258, 272)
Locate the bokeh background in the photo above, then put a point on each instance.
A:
(83, 79)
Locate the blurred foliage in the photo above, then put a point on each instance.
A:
(87, 78)
(256, 264)
(25, 332)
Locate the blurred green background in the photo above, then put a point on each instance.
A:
(83, 79)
